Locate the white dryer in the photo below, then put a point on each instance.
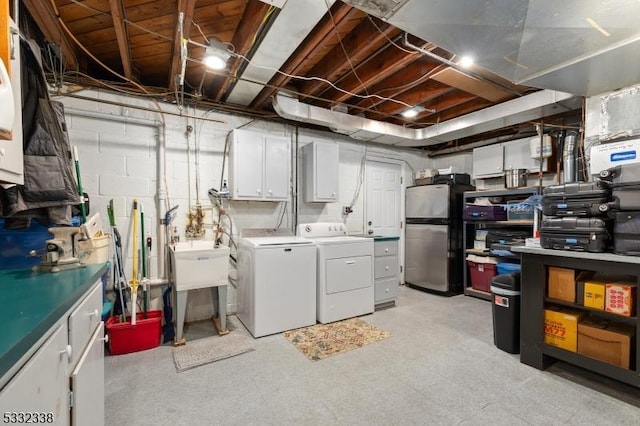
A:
(345, 271)
(276, 284)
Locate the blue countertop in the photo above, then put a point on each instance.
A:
(32, 302)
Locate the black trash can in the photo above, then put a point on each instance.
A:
(505, 296)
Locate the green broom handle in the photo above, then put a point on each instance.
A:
(80, 192)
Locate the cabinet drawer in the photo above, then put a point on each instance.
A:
(386, 290)
(84, 320)
(386, 248)
(386, 267)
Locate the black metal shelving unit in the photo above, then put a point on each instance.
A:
(533, 350)
(469, 227)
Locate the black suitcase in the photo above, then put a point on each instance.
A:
(626, 233)
(625, 186)
(575, 233)
(506, 237)
(576, 199)
(473, 212)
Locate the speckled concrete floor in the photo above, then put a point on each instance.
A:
(439, 367)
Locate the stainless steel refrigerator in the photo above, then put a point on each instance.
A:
(434, 250)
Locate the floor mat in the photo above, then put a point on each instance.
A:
(321, 341)
(210, 349)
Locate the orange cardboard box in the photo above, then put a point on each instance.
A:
(620, 298)
(594, 293)
(561, 327)
(606, 341)
(562, 284)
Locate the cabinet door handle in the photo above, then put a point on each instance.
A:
(105, 338)
(68, 351)
(386, 268)
(350, 262)
(258, 191)
(94, 313)
(270, 192)
(386, 250)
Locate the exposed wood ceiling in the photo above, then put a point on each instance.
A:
(362, 55)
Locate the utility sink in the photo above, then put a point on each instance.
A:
(199, 264)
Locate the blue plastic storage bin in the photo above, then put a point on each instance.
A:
(507, 268)
(15, 245)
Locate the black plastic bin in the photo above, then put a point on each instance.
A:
(505, 296)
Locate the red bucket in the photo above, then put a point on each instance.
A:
(125, 337)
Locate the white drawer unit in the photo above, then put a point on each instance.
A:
(386, 271)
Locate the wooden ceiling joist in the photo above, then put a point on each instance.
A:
(186, 7)
(358, 45)
(45, 17)
(117, 13)
(252, 20)
(322, 35)
(375, 70)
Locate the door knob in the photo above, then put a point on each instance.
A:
(370, 231)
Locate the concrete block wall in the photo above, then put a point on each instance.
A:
(118, 150)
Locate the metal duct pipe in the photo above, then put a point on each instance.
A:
(516, 111)
(569, 157)
(470, 146)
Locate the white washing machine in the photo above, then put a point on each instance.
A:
(345, 271)
(276, 284)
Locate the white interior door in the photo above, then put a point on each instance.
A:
(383, 198)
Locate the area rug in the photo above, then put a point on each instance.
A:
(321, 341)
(211, 349)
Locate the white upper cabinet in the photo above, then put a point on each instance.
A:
(321, 172)
(493, 160)
(488, 161)
(259, 166)
(517, 155)
(11, 164)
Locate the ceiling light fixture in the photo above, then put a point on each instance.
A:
(413, 112)
(216, 55)
(466, 61)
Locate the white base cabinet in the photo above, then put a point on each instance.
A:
(259, 166)
(63, 382)
(386, 272)
(40, 390)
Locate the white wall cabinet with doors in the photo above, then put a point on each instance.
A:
(259, 166)
(11, 164)
(321, 172)
(493, 160)
(63, 382)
